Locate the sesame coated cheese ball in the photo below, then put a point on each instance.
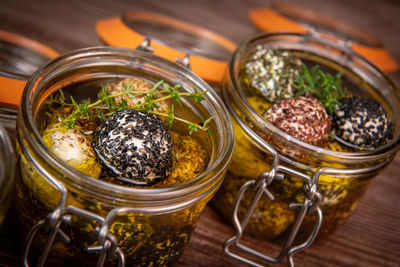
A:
(135, 146)
(362, 122)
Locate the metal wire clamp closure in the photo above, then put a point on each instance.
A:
(108, 245)
(146, 46)
(310, 206)
(107, 242)
(260, 187)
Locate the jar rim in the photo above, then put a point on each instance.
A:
(207, 180)
(232, 88)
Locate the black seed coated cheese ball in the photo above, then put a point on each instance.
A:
(362, 122)
(134, 145)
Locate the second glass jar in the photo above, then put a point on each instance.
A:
(262, 149)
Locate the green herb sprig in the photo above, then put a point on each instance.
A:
(324, 86)
(107, 104)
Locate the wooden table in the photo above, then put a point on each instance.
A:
(370, 237)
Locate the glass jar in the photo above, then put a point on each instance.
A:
(7, 170)
(76, 218)
(295, 184)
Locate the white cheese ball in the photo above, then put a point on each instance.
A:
(73, 147)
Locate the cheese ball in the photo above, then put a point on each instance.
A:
(139, 86)
(271, 73)
(73, 147)
(362, 122)
(135, 146)
(303, 118)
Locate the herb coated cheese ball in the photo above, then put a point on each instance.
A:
(271, 73)
(141, 89)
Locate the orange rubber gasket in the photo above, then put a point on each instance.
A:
(115, 32)
(271, 21)
(11, 89)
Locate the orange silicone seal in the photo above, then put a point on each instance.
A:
(11, 87)
(287, 18)
(10, 91)
(114, 32)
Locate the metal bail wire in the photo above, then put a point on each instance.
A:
(259, 186)
(108, 243)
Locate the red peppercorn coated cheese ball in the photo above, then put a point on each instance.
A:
(303, 118)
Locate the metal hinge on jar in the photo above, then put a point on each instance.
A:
(62, 214)
(108, 243)
(339, 46)
(309, 207)
(146, 46)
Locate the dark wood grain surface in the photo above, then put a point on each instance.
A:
(371, 235)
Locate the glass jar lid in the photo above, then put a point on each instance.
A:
(205, 52)
(292, 18)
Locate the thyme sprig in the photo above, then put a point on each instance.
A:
(107, 104)
(324, 86)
